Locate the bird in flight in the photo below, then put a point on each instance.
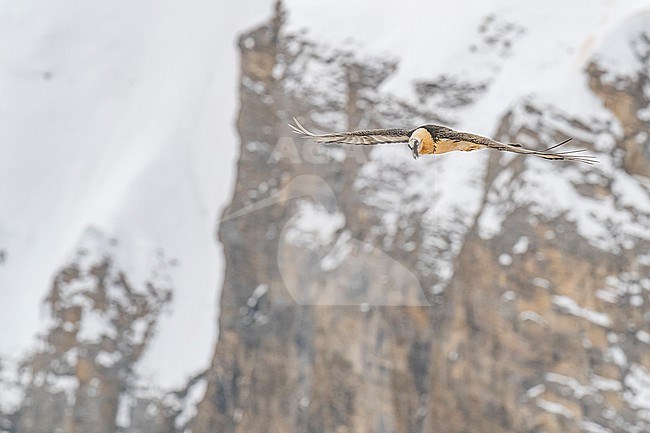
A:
(435, 139)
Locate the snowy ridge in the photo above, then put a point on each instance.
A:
(625, 47)
(553, 190)
(497, 43)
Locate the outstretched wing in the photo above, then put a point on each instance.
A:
(370, 136)
(469, 139)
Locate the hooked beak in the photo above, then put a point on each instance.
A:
(414, 145)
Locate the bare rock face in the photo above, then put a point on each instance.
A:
(367, 292)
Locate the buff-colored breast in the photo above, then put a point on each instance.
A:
(428, 146)
(443, 146)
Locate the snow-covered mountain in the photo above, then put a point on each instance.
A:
(117, 122)
(525, 277)
(116, 140)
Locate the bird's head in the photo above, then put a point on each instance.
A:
(420, 142)
(414, 145)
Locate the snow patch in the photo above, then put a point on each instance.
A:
(578, 390)
(339, 252)
(66, 384)
(124, 409)
(616, 354)
(259, 291)
(638, 383)
(605, 384)
(570, 306)
(189, 406)
(108, 359)
(643, 336)
(541, 282)
(555, 408)
(521, 246)
(505, 259)
(536, 391)
(620, 50)
(13, 392)
(313, 225)
(607, 296)
(533, 317)
(592, 427)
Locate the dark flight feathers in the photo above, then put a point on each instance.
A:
(440, 134)
(370, 136)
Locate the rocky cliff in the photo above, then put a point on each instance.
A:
(367, 292)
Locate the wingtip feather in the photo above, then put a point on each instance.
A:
(300, 130)
(555, 146)
(569, 155)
